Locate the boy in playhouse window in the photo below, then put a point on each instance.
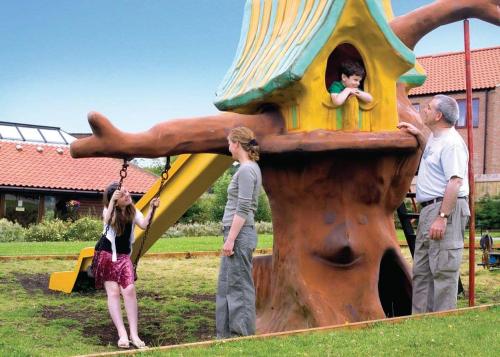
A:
(351, 74)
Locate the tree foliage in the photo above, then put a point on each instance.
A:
(488, 212)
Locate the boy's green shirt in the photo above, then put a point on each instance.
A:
(336, 87)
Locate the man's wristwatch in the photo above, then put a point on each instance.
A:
(443, 215)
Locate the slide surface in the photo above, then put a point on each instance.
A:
(190, 176)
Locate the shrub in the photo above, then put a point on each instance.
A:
(47, 231)
(488, 212)
(263, 209)
(10, 232)
(194, 230)
(220, 196)
(264, 227)
(199, 212)
(84, 229)
(208, 229)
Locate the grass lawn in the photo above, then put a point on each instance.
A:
(177, 304)
(182, 244)
(163, 245)
(470, 334)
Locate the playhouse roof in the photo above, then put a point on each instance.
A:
(280, 39)
(50, 167)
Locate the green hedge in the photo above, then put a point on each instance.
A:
(84, 229)
(47, 231)
(208, 229)
(488, 212)
(11, 232)
(54, 230)
(90, 229)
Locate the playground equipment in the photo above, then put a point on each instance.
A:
(189, 177)
(333, 184)
(490, 260)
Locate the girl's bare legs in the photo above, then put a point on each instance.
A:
(114, 306)
(130, 300)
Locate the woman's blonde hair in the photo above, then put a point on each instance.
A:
(246, 138)
(121, 216)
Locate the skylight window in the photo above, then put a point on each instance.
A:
(31, 134)
(10, 132)
(52, 136)
(34, 133)
(67, 137)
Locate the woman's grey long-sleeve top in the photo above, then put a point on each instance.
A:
(243, 194)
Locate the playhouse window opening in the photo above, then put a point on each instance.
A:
(342, 53)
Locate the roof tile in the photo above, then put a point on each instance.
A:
(446, 71)
(48, 169)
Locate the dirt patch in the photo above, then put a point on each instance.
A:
(34, 283)
(151, 295)
(93, 322)
(194, 325)
(202, 297)
(158, 297)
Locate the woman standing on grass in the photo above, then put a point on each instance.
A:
(115, 270)
(235, 301)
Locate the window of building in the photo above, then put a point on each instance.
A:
(50, 207)
(53, 136)
(67, 137)
(10, 132)
(35, 133)
(462, 106)
(21, 208)
(31, 134)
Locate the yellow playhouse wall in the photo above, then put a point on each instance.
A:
(383, 65)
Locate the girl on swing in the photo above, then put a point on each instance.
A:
(115, 270)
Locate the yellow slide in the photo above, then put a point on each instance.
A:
(189, 177)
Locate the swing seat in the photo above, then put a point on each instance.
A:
(65, 280)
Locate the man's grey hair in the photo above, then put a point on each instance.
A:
(447, 106)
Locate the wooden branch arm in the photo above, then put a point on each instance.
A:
(196, 135)
(411, 27)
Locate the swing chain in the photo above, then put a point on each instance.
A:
(123, 172)
(123, 175)
(164, 178)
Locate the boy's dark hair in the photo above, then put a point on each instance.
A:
(350, 67)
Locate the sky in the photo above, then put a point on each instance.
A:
(139, 62)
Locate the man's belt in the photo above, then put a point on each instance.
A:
(438, 199)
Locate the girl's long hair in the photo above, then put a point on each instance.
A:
(246, 138)
(121, 216)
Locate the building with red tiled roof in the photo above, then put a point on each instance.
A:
(446, 71)
(38, 177)
(446, 75)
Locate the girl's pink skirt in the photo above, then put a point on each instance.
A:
(121, 271)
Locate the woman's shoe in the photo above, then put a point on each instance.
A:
(123, 343)
(139, 344)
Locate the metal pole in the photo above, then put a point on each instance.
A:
(470, 143)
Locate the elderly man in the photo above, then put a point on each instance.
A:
(442, 189)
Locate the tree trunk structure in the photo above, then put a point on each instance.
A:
(335, 258)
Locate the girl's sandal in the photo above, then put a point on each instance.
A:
(123, 343)
(139, 344)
